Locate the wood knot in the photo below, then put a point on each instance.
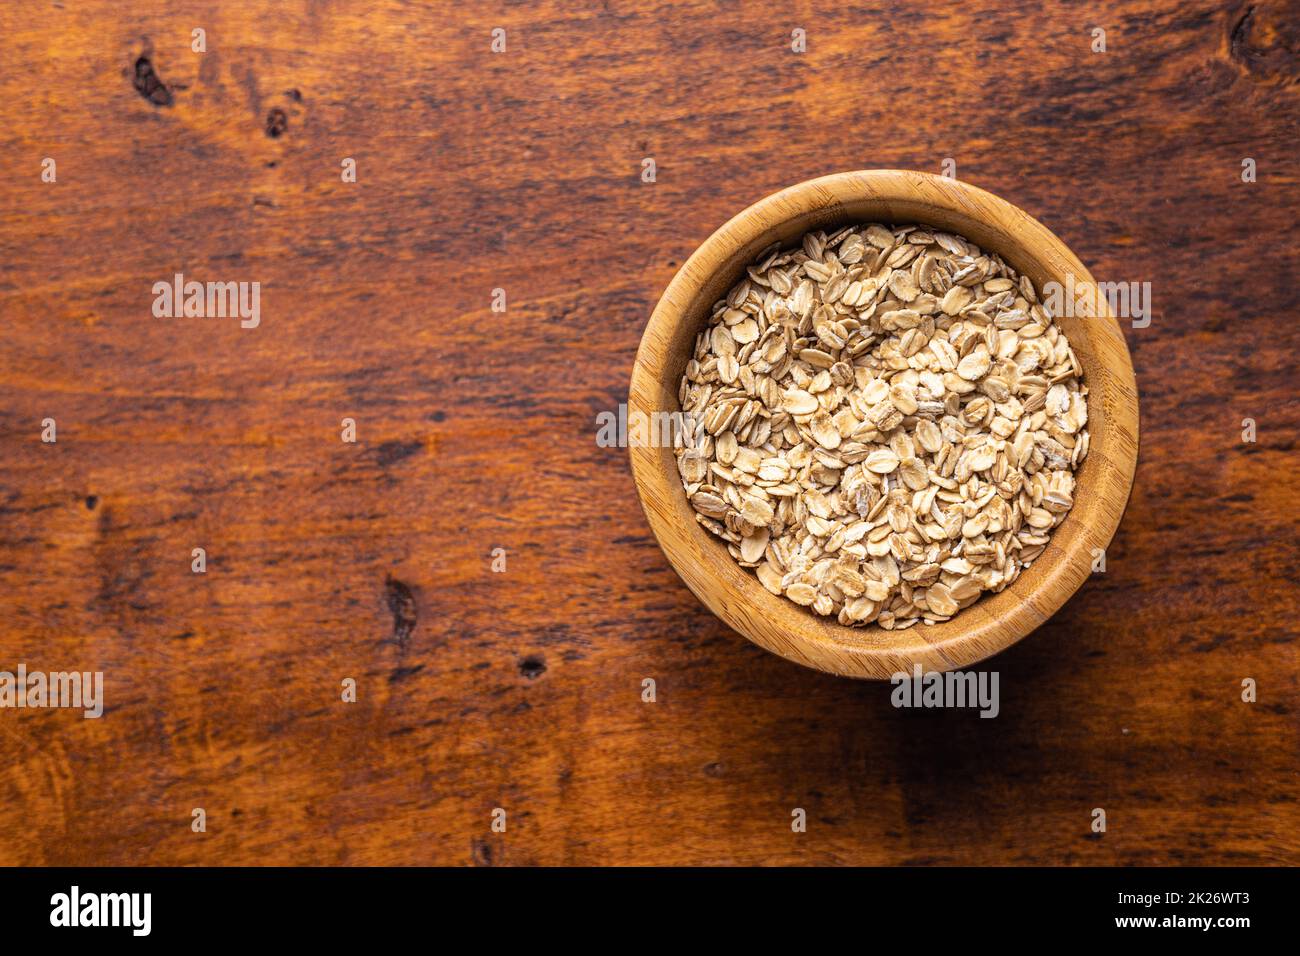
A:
(1265, 44)
(148, 84)
(401, 604)
(277, 123)
(533, 666)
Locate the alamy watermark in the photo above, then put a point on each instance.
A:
(622, 429)
(129, 910)
(36, 689)
(1126, 300)
(212, 300)
(951, 689)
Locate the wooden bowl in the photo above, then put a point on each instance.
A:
(995, 621)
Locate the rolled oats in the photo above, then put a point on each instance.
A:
(888, 424)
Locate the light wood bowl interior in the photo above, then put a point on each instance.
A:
(995, 621)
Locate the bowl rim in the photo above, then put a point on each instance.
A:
(980, 630)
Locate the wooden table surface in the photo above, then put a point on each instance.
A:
(522, 689)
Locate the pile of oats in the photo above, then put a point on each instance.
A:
(887, 423)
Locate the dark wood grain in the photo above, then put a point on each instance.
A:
(522, 689)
